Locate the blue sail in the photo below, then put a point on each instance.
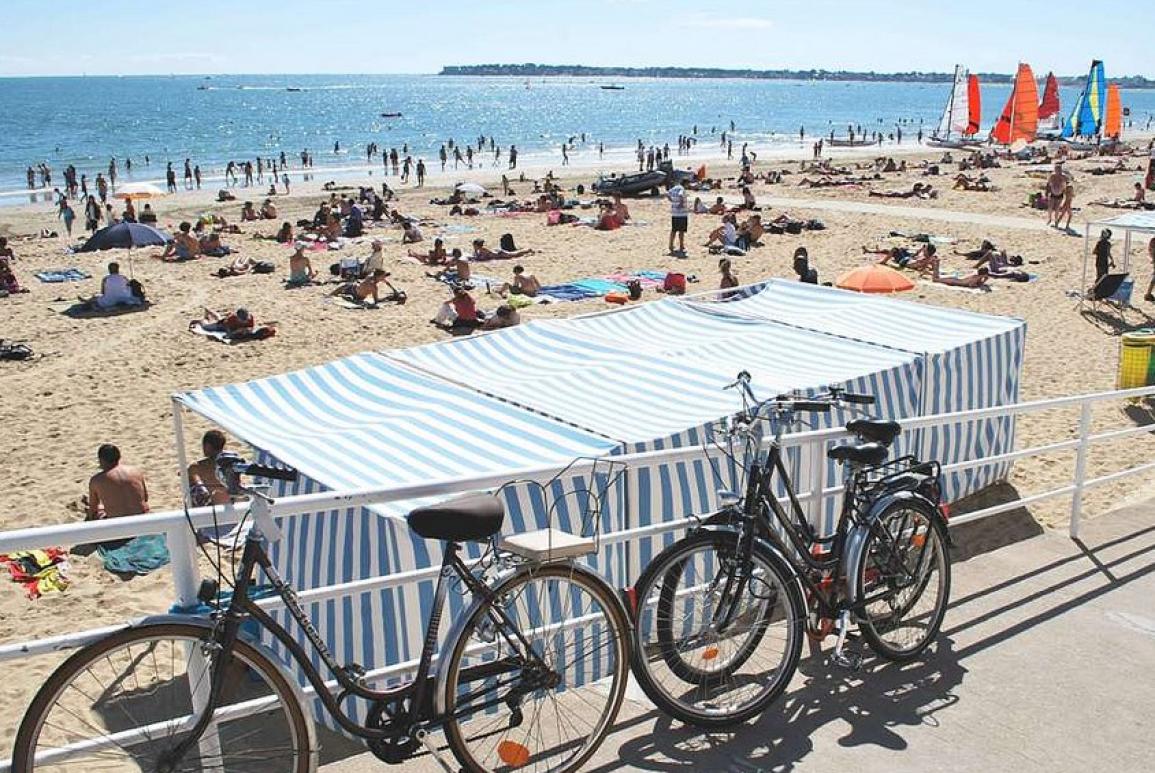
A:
(1087, 116)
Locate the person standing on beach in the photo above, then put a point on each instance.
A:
(169, 177)
(443, 154)
(117, 490)
(679, 217)
(197, 176)
(513, 156)
(188, 175)
(91, 214)
(564, 156)
(1103, 260)
(420, 172)
(66, 214)
(102, 188)
(285, 182)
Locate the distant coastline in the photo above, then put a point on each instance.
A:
(582, 71)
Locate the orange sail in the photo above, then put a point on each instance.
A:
(1113, 124)
(1020, 117)
(974, 105)
(1050, 104)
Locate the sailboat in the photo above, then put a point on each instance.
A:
(962, 115)
(1113, 119)
(1020, 117)
(1087, 115)
(1050, 123)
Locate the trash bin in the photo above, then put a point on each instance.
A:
(1136, 365)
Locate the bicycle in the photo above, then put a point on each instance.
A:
(505, 689)
(720, 614)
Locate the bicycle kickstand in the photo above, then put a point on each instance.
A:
(841, 656)
(423, 737)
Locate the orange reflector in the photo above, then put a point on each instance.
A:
(710, 653)
(512, 753)
(918, 540)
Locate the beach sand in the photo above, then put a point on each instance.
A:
(109, 379)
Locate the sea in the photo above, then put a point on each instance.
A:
(85, 121)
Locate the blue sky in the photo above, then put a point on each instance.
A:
(127, 37)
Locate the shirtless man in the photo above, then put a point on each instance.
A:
(522, 284)
(434, 257)
(1056, 184)
(973, 281)
(204, 486)
(367, 292)
(117, 490)
(620, 210)
(481, 252)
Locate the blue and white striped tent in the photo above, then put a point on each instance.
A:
(971, 361)
(645, 378)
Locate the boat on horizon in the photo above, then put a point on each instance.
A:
(962, 116)
(391, 115)
(612, 87)
(293, 88)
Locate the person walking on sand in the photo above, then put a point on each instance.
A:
(67, 215)
(117, 490)
(679, 217)
(1056, 184)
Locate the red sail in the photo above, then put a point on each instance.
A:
(1020, 117)
(1113, 122)
(974, 106)
(1050, 104)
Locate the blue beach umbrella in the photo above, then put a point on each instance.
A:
(124, 235)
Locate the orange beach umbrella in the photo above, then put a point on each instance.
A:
(874, 278)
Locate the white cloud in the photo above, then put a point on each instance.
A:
(710, 21)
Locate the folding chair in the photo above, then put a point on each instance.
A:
(1112, 290)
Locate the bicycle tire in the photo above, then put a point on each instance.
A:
(882, 611)
(654, 620)
(148, 640)
(480, 748)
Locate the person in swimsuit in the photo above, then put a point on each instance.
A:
(367, 292)
(729, 279)
(522, 284)
(184, 246)
(1056, 184)
(300, 267)
(435, 257)
(205, 488)
(117, 490)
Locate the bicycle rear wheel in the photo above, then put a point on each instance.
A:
(904, 580)
(717, 636)
(548, 713)
(123, 703)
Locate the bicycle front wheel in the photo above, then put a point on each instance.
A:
(718, 633)
(125, 702)
(549, 710)
(904, 580)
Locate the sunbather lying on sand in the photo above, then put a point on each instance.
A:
(367, 292)
(903, 257)
(481, 252)
(984, 249)
(973, 281)
(919, 190)
(967, 183)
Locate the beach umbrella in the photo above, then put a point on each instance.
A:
(124, 235)
(139, 191)
(874, 278)
(473, 189)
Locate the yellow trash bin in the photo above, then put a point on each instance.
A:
(1136, 365)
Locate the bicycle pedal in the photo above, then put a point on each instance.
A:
(852, 661)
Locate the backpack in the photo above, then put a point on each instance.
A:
(507, 244)
(137, 289)
(675, 283)
(634, 288)
(263, 267)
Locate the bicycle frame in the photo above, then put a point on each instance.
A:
(418, 691)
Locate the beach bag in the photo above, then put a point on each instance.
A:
(618, 298)
(263, 267)
(14, 351)
(507, 244)
(136, 288)
(634, 289)
(794, 227)
(675, 283)
(815, 225)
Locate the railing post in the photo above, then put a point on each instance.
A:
(1080, 468)
(817, 505)
(186, 578)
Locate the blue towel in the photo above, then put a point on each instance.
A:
(63, 275)
(598, 286)
(139, 555)
(567, 292)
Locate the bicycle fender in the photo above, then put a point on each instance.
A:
(856, 537)
(207, 624)
(457, 630)
(784, 563)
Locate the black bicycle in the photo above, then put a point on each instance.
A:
(721, 613)
(531, 676)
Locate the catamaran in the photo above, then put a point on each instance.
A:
(962, 115)
(1019, 121)
(1050, 122)
(1084, 127)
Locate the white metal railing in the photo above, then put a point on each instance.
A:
(175, 524)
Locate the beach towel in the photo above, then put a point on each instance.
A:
(521, 301)
(458, 228)
(567, 292)
(82, 310)
(599, 286)
(259, 334)
(138, 556)
(72, 274)
(39, 571)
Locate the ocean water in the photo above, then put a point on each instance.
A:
(86, 120)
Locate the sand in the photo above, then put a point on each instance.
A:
(109, 379)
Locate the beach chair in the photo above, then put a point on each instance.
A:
(1113, 291)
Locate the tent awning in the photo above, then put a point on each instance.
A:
(1131, 221)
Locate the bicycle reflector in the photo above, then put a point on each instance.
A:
(944, 508)
(512, 753)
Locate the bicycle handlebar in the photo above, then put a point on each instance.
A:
(273, 473)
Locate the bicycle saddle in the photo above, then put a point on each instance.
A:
(867, 454)
(875, 430)
(471, 518)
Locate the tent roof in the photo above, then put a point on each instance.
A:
(365, 421)
(647, 372)
(904, 325)
(1131, 221)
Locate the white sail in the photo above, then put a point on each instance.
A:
(956, 114)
